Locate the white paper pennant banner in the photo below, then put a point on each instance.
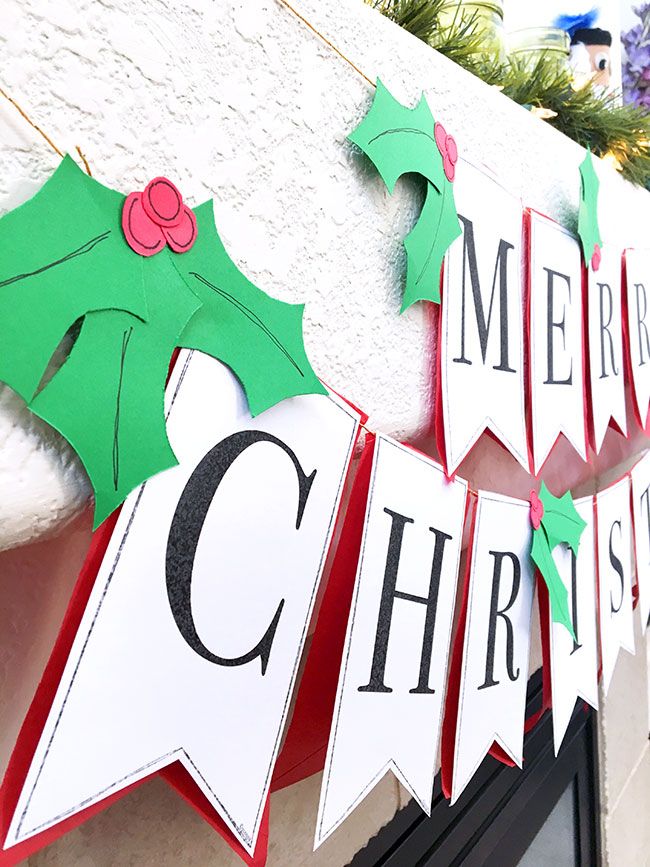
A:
(614, 546)
(189, 647)
(637, 270)
(574, 663)
(606, 345)
(482, 342)
(556, 365)
(641, 515)
(494, 676)
(392, 681)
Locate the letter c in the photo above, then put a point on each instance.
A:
(185, 531)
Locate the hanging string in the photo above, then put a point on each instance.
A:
(36, 127)
(473, 493)
(30, 121)
(84, 161)
(308, 24)
(326, 41)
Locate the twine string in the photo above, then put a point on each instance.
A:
(30, 121)
(84, 161)
(82, 156)
(308, 24)
(472, 492)
(44, 135)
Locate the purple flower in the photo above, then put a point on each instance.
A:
(636, 67)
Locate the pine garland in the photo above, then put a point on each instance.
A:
(419, 17)
(590, 117)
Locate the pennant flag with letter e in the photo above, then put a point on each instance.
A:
(637, 303)
(556, 340)
(486, 701)
(392, 679)
(641, 514)
(614, 547)
(606, 371)
(189, 646)
(574, 661)
(481, 346)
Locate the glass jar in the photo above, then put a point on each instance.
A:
(531, 43)
(487, 19)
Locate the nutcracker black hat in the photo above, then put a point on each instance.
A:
(591, 36)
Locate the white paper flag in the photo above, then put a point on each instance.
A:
(637, 270)
(392, 681)
(574, 664)
(606, 345)
(494, 676)
(189, 646)
(556, 366)
(482, 339)
(614, 546)
(641, 515)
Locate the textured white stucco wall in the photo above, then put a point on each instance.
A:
(239, 102)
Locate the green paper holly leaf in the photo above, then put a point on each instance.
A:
(107, 399)
(62, 255)
(400, 140)
(258, 337)
(558, 595)
(560, 524)
(561, 520)
(588, 229)
(438, 221)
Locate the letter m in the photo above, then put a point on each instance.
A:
(500, 280)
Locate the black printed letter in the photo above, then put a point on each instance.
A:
(645, 496)
(499, 557)
(388, 596)
(483, 323)
(617, 566)
(559, 324)
(574, 601)
(604, 329)
(640, 291)
(185, 531)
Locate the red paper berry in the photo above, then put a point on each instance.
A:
(180, 238)
(448, 150)
(596, 258)
(440, 135)
(158, 217)
(449, 167)
(536, 510)
(163, 203)
(142, 234)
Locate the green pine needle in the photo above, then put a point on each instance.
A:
(593, 119)
(419, 17)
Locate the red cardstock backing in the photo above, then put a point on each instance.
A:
(303, 752)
